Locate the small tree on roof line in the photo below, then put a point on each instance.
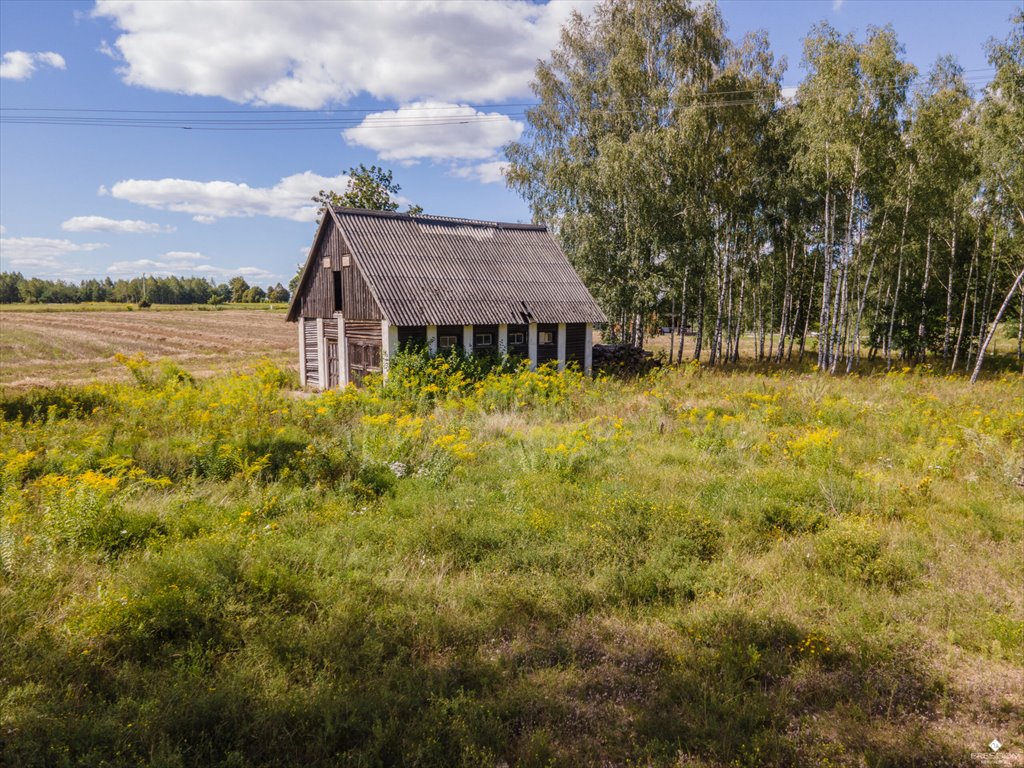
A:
(369, 188)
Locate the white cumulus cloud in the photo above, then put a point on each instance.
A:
(211, 200)
(39, 254)
(434, 131)
(310, 54)
(492, 172)
(187, 263)
(19, 65)
(103, 224)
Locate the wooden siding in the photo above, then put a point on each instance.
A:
(357, 302)
(575, 343)
(449, 330)
(519, 349)
(547, 352)
(368, 332)
(492, 348)
(317, 297)
(412, 336)
(312, 346)
(317, 291)
(363, 340)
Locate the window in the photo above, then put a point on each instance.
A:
(517, 338)
(545, 337)
(337, 290)
(483, 340)
(447, 342)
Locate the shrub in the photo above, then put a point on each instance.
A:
(373, 481)
(51, 404)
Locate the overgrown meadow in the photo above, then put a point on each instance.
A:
(696, 568)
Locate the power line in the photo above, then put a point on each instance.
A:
(304, 120)
(409, 108)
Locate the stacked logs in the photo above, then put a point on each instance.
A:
(623, 360)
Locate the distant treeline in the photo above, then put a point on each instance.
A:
(14, 288)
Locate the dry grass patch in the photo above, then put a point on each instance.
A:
(50, 348)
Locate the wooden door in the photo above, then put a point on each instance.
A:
(363, 358)
(333, 364)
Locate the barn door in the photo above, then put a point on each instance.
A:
(312, 345)
(363, 358)
(332, 367)
(333, 364)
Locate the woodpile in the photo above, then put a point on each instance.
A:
(623, 360)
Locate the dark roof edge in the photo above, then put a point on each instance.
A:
(429, 219)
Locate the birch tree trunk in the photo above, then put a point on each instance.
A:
(699, 341)
(922, 320)
(854, 357)
(899, 274)
(963, 312)
(949, 298)
(739, 321)
(682, 318)
(995, 324)
(826, 289)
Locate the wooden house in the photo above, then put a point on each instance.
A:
(374, 281)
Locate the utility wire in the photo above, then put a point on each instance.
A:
(249, 120)
(409, 108)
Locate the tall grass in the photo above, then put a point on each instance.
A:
(489, 567)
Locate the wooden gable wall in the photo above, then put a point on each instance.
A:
(317, 298)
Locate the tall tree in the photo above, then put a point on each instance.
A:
(603, 158)
(372, 188)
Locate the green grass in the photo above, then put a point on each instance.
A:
(699, 568)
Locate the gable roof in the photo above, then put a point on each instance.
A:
(433, 270)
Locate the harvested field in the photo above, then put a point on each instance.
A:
(47, 348)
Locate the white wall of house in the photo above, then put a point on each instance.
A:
(503, 339)
(321, 356)
(588, 349)
(561, 346)
(467, 339)
(302, 351)
(342, 353)
(531, 346)
(388, 345)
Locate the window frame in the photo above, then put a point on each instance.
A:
(516, 339)
(550, 338)
(442, 345)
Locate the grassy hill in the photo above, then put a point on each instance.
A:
(698, 568)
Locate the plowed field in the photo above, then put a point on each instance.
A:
(47, 348)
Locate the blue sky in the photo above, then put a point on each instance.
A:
(90, 201)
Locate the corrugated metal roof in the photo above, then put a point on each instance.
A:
(431, 270)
